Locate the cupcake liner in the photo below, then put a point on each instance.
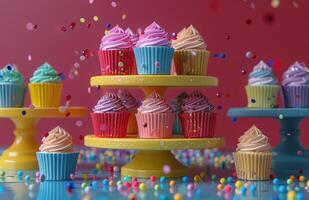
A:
(57, 166)
(253, 165)
(132, 125)
(177, 124)
(116, 62)
(55, 190)
(154, 60)
(110, 125)
(45, 94)
(12, 95)
(262, 96)
(191, 62)
(155, 125)
(296, 96)
(198, 124)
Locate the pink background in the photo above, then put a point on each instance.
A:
(283, 41)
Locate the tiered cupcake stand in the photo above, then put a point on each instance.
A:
(21, 154)
(153, 154)
(290, 157)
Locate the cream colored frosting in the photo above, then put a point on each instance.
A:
(58, 140)
(254, 141)
(189, 38)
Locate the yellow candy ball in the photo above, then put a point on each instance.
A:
(172, 183)
(307, 184)
(291, 195)
(302, 179)
(85, 176)
(197, 178)
(177, 196)
(220, 186)
(95, 18)
(238, 184)
(142, 187)
(82, 20)
(98, 166)
(223, 181)
(111, 183)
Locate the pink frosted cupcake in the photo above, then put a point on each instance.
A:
(115, 53)
(197, 118)
(155, 118)
(131, 105)
(110, 117)
(134, 39)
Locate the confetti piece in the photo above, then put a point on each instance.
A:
(275, 3)
(91, 1)
(166, 169)
(79, 123)
(82, 58)
(89, 90)
(76, 65)
(243, 72)
(124, 16)
(249, 55)
(218, 94)
(157, 63)
(23, 112)
(30, 26)
(29, 57)
(82, 20)
(114, 4)
(95, 18)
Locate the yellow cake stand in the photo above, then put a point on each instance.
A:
(153, 154)
(21, 154)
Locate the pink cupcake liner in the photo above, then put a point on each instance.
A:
(116, 62)
(155, 125)
(296, 96)
(198, 124)
(110, 125)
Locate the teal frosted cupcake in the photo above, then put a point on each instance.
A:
(176, 106)
(57, 158)
(12, 87)
(153, 52)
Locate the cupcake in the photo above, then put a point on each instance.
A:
(262, 89)
(153, 52)
(176, 106)
(155, 118)
(131, 105)
(45, 87)
(191, 56)
(57, 158)
(196, 117)
(295, 86)
(12, 87)
(134, 39)
(115, 55)
(110, 117)
(253, 156)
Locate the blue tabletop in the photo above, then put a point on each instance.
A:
(269, 112)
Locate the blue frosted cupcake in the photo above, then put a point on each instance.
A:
(57, 158)
(176, 106)
(153, 52)
(12, 87)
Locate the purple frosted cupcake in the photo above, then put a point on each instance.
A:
(295, 86)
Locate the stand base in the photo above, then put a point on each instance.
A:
(151, 163)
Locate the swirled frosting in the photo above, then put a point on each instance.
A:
(133, 36)
(189, 38)
(253, 140)
(196, 102)
(45, 74)
(109, 102)
(154, 104)
(9, 74)
(262, 74)
(116, 39)
(177, 102)
(58, 140)
(154, 35)
(127, 100)
(296, 75)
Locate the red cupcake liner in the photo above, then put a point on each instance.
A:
(198, 124)
(116, 62)
(155, 125)
(110, 125)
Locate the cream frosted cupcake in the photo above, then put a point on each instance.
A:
(45, 87)
(155, 118)
(191, 56)
(253, 156)
(57, 158)
(131, 105)
(262, 89)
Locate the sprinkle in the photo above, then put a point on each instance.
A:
(29, 57)
(114, 4)
(223, 181)
(222, 55)
(166, 169)
(172, 183)
(95, 18)
(238, 184)
(120, 64)
(249, 55)
(31, 187)
(280, 116)
(82, 20)
(177, 196)
(282, 189)
(124, 16)
(243, 72)
(30, 26)
(79, 123)
(82, 58)
(142, 187)
(91, 1)
(23, 112)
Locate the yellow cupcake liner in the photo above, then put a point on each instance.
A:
(262, 96)
(191, 62)
(132, 125)
(45, 95)
(253, 166)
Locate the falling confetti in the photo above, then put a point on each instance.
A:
(82, 58)
(275, 3)
(72, 25)
(243, 72)
(29, 57)
(82, 20)
(30, 26)
(89, 90)
(114, 4)
(249, 55)
(91, 1)
(95, 18)
(79, 123)
(76, 65)
(166, 169)
(124, 16)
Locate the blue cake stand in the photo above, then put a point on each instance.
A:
(290, 157)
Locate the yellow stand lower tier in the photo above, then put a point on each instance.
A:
(151, 163)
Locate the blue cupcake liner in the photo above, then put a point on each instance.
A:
(177, 125)
(57, 166)
(12, 95)
(154, 60)
(55, 190)
(296, 96)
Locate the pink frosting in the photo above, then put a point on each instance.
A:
(127, 100)
(116, 39)
(154, 35)
(154, 104)
(110, 102)
(196, 102)
(133, 36)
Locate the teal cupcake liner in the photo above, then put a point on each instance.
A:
(177, 125)
(57, 166)
(154, 60)
(12, 95)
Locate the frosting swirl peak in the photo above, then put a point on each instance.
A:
(9, 74)
(262, 74)
(109, 102)
(133, 36)
(45, 74)
(296, 75)
(127, 100)
(196, 102)
(154, 104)
(116, 38)
(253, 140)
(189, 38)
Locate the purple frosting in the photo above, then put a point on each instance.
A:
(154, 35)
(296, 75)
(110, 102)
(128, 100)
(116, 39)
(133, 36)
